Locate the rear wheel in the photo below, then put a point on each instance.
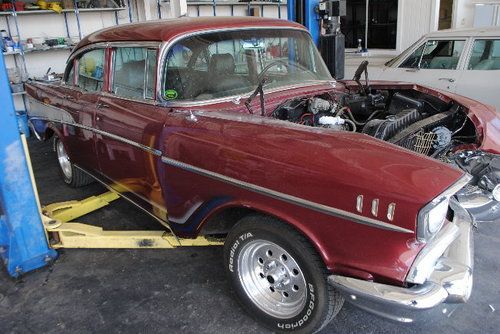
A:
(279, 277)
(71, 175)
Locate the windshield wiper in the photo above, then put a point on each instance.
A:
(259, 90)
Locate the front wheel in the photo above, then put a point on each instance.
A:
(279, 277)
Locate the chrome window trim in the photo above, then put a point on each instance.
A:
(166, 46)
(408, 52)
(75, 53)
(112, 74)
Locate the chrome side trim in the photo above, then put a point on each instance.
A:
(107, 134)
(287, 198)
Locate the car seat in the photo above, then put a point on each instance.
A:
(221, 70)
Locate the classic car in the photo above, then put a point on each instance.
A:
(323, 191)
(461, 61)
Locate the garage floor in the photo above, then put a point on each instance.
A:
(133, 291)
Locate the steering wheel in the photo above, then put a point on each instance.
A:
(269, 66)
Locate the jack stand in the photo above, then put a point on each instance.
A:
(63, 233)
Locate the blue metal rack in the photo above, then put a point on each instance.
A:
(23, 243)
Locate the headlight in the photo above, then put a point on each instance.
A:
(496, 192)
(432, 216)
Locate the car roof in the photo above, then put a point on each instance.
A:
(467, 32)
(166, 30)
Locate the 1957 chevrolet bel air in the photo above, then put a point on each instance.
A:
(323, 190)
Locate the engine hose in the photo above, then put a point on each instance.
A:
(351, 116)
(351, 123)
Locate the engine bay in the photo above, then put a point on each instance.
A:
(408, 118)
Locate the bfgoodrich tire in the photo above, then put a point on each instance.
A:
(279, 277)
(71, 175)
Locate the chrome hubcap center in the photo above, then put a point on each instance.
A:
(63, 159)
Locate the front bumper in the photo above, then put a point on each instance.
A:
(449, 282)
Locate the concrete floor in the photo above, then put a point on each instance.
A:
(183, 290)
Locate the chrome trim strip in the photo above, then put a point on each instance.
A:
(108, 134)
(285, 197)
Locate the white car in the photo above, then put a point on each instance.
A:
(466, 62)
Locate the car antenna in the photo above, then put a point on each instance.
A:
(259, 90)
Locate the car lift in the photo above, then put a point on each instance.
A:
(30, 234)
(63, 233)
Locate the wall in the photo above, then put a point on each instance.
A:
(463, 16)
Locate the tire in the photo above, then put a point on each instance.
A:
(72, 176)
(285, 285)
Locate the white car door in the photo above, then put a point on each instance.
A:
(434, 62)
(480, 79)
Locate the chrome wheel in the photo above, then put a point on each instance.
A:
(63, 159)
(272, 279)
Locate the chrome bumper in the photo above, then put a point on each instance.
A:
(449, 282)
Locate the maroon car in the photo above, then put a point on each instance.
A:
(323, 190)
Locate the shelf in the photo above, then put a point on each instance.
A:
(50, 48)
(66, 47)
(71, 10)
(232, 3)
(11, 53)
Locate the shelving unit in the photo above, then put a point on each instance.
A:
(231, 3)
(13, 28)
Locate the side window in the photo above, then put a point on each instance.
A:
(91, 71)
(436, 54)
(134, 72)
(69, 79)
(485, 55)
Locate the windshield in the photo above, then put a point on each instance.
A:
(222, 64)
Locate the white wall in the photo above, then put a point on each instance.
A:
(463, 16)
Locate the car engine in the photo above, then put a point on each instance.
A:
(408, 118)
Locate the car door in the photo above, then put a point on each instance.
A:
(128, 123)
(479, 79)
(81, 92)
(434, 63)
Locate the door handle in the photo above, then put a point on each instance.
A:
(447, 79)
(98, 118)
(102, 105)
(69, 97)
